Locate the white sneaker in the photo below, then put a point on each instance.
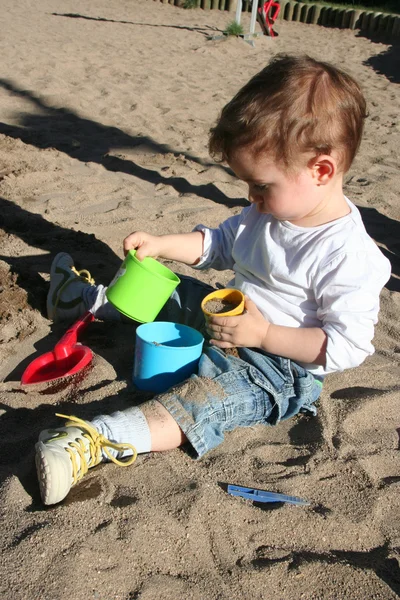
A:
(64, 455)
(64, 300)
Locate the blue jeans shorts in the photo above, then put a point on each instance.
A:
(230, 391)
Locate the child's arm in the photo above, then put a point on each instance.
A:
(212, 246)
(347, 292)
(183, 247)
(301, 344)
(252, 330)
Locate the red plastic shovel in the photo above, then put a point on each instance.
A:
(67, 358)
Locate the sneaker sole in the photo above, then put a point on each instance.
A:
(51, 311)
(60, 275)
(52, 489)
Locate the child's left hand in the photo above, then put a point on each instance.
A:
(247, 330)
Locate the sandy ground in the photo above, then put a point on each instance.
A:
(104, 114)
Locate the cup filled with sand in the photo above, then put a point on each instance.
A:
(227, 302)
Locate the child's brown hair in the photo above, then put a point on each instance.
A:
(295, 105)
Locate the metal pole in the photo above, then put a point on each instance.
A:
(253, 16)
(238, 11)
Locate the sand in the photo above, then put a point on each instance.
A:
(104, 114)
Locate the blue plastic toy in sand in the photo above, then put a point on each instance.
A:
(165, 354)
(264, 496)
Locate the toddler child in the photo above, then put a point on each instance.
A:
(300, 253)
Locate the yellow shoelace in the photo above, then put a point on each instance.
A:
(97, 442)
(83, 274)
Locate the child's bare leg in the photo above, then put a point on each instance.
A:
(165, 431)
(64, 455)
(148, 427)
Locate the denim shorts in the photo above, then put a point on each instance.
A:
(230, 391)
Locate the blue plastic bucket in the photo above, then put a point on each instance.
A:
(165, 354)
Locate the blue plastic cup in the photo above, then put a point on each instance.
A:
(165, 354)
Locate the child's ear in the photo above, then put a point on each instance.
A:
(323, 168)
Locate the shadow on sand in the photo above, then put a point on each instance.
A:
(88, 141)
(49, 238)
(385, 231)
(386, 63)
(207, 30)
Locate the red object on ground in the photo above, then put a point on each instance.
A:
(67, 358)
(267, 15)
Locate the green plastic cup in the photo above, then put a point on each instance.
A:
(140, 289)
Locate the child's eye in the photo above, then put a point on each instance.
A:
(260, 187)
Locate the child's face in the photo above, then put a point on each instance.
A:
(294, 197)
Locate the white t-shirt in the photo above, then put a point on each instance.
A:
(328, 276)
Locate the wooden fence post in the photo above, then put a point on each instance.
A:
(365, 20)
(354, 22)
(314, 14)
(304, 12)
(289, 8)
(296, 12)
(396, 27)
(346, 19)
(325, 13)
(282, 11)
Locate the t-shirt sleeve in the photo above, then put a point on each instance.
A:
(347, 292)
(218, 244)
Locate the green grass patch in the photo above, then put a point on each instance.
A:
(234, 29)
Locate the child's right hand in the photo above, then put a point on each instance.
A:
(144, 243)
(186, 248)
